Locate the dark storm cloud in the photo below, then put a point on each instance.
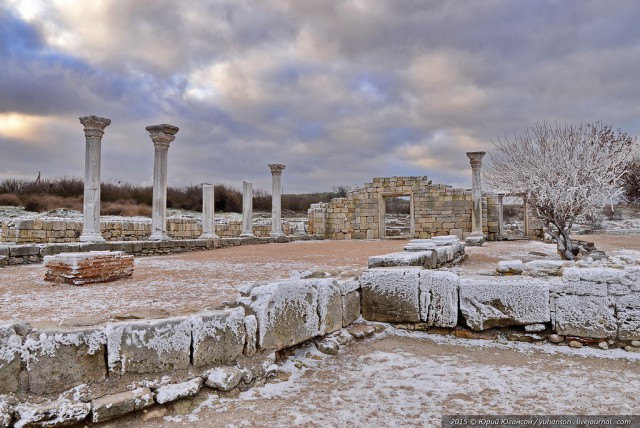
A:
(339, 91)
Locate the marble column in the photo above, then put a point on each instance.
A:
(500, 214)
(477, 236)
(208, 217)
(276, 199)
(161, 135)
(247, 210)
(93, 132)
(525, 207)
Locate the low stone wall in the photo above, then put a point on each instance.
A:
(63, 230)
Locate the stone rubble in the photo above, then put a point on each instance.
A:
(88, 268)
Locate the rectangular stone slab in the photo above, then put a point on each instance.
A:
(585, 316)
(391, 295)
(439, 298)
(10, 363)
(218, 336)
(88, 267)
(403, 258)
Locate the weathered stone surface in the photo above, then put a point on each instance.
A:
(420, 245)
(544, 268)
(535, 328)
(329, 305)
(111, 406)
(628, 313)
(402, 258)
(510, 267)
(10, 345)
(218, 336)
(224, 378)
(173, 392)
(251, 331)
(59, 413)
(485, 303)
(6, 414)
(597, 275)
(439, 298)
(287, 313)
(586, 316)
(328, 346)
(350, 307)
(582, 288)
(58, 359)
(89, 267)
(555, 338)
(391, 295)
(149, 346)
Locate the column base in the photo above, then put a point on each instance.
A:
(209, 236)
(159, 236)
(247, 235)
(475, 240)
(91, 237)
(276, 234)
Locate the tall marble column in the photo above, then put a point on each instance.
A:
(93, 132)
(208, 217)
(500, 214)
(476, 237)
(276, 199)
(247, 210)
(161, 135)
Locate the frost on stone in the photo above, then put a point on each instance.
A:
(168, 393)
(6, 413)
(329, 305)
(585, 316)
(439, 298)
(628, 314)
(224, 378)
(402, 258)
(45, 343)
(287, 313)
(251, 332)
(51, 414)
(391, 295)
(218, 337)
(10, 344)
(510, 267)
(596, 275)
(538, 268)
(496, 303)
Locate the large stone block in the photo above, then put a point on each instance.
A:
(151, 346)
(10, 362)
(329, 305)
(58, 359)
(585, 316)
(350, 292)
(391, 295)
(497, 303)
(112, 406)
(439, 298)
(218, 336)
(59, 413)
(628, 314)
(403, 258)
(287, 313)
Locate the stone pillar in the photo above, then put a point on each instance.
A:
(500, 214)
(161, 135)
(276, 199)
(476, 237)
(525, 206)
(93, 132)
(208, 217)
(247, 210)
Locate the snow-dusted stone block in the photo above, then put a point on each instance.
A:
(224, 378)
(329, 305)
(88, 267)
(510, 267)
(6, 414)
(628, 313)
(57, 413)
(585, 316)
(58, 359)
(420, 245)
(402, 258)
(596, 275)
(251, 331)
(150, 346)
(582, 288)
(538, 268)
(173, 392)
(218, 336)
(350, 291)
(287, 313)
(439, 298)
(112, 406)
(391, 295)
(485, 303)
(10, 363)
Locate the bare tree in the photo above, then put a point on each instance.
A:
(631, 182)
(564, 171)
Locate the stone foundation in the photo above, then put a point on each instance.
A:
(87, 268)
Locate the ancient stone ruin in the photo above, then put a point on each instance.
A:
(87, 268)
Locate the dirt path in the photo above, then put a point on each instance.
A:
(411, 380)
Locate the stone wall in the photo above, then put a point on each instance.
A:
(437, 210)
(60, 230)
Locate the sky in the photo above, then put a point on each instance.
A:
(340, 91)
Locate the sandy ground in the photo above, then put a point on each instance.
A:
(403, 379)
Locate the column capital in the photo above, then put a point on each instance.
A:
(94, 125)
(476, 159)
(276, 168)
(162, 135)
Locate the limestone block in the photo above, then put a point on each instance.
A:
(58, 359)
(581, 288)
(10, 363)
(329, 305)
(486, 303)
(218, 336)
(251, 331)
(596, 275)
(439, 298)
(287, 313)
(403, 258)
(586, 316)
(112, 406)
(224, 378)
(391, 295)
(173, 392)
(510, 267)
(628, 314)
(150, 346)
(57, 413)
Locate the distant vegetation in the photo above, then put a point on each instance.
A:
(129, 200)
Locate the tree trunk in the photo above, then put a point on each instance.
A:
(565, 246)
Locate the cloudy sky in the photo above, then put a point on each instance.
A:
(338, 90)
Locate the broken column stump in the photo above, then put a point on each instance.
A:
(87, 268)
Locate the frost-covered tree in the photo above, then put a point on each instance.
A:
(631, 182)
(563, 171)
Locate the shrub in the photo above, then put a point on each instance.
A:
(9, 199)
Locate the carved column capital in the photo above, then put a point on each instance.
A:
(162, 135)
(475, 159)
(94, 125)
(276, 168)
